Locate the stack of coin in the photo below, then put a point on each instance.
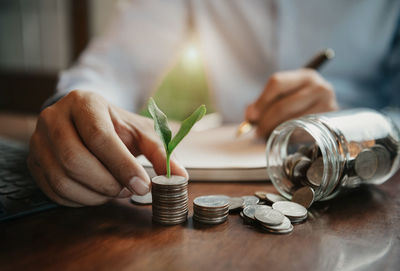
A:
(170, 199)
(212, 209)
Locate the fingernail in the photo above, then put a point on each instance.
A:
(125, 193)
(252, 113)
(138, 186)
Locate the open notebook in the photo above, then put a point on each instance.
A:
(216, 155)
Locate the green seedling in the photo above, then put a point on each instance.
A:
(162, 128)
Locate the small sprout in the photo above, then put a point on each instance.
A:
(162, 128)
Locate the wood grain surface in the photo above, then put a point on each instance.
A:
(358, 231)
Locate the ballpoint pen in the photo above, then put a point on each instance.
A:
(315, 63)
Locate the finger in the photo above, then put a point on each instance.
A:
(77, 162)
(59, 182)
(155, 153)
(286, 108)
(95, 127)
(281, 84)
(42, 183)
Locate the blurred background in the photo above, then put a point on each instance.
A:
(42, 37)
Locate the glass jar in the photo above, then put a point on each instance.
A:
(339, 150)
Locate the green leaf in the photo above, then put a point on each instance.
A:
(160, 123)
(186, 125)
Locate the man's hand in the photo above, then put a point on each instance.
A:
(289, 95)
(83, 151)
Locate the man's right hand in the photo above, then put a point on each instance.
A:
(83, 151)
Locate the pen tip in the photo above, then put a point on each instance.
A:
(329, 53)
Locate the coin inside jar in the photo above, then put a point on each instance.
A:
(366, 164)
(316, 172)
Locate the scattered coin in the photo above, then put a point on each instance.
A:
(249, 200)
(250, 210)
(236, 203)
(142, 200)
(294, 211)
(260, 195)
(304, 196)
(366, 164)
(170, 199)
(268, 216)
(211, 209)
(316, 172)
(272, 198)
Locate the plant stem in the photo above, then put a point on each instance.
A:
(168, 166)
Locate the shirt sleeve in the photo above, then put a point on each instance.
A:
(126, 63)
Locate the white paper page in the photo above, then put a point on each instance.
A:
(218, 148)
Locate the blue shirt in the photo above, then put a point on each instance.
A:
(243, 43)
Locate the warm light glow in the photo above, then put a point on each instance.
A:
(191, 53)
(191, 57)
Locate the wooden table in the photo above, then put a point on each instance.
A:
(359, 231)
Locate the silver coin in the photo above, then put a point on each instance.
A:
(304, 196)
(285, 225)
(170, 222)
(272, 198)
(211, 214)
(142, 200)
(212, 201)
(366, 164)
(235, 203)
(290, 209)
(250, 210)
(315, 172)
(173, 181)
(269, 216)
(286, 231)
(250, 200)
(207, 221)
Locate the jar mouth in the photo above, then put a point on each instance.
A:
(280, 145)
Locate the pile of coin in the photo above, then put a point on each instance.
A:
(305, 167)
(170, 199)
(277, 218)
(211, 209)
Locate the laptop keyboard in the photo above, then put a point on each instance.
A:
(19, 194)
